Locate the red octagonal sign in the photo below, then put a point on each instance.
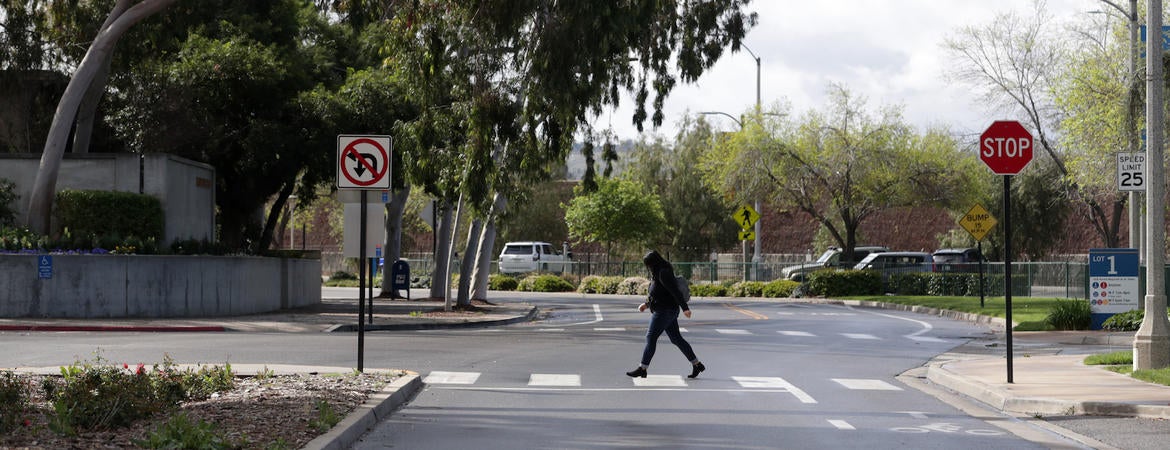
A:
(1006, 147)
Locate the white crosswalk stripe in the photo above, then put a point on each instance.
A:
(926, 339)
(735, 332)
(439, 377)
(796, 333)
(774, 383)
(554, 379)
(860, 336)
(866, 385)
(660, 381)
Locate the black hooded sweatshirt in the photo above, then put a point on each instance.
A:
(664, 292)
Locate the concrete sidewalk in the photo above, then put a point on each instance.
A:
(331, 315)
(1049, 376)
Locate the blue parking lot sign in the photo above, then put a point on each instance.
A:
(1113, 282)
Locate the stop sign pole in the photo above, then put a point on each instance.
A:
(1006, 148)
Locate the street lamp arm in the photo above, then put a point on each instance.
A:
(729, 116)
(1131, 15)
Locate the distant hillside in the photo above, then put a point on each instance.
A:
(575, 165)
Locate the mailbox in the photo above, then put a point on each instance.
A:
(399, 279)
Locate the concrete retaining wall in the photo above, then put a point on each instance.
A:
(97, 286)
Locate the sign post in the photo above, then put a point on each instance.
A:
(1006, 148)
(978, 222)
(746, 217)
(363, 163)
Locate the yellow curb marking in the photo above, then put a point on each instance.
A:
(752, 314)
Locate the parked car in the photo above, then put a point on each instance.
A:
(956, 260)
(896, 262)
(531, 256)
(831, 258)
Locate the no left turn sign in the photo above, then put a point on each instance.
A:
(363, 162)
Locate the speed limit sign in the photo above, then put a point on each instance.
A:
(1131, 171)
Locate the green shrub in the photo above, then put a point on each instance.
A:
(544, 283)
(634, 286)
(590, 285)
(182, 432)
(747, 289)
(1126, 321)
(342, 275)
(708, 290)
(595, 284)
(14, 401)
(780, 288)
(500, 282)
(101, 398)
(8, 206)
(1070, 315)
(843, 283)
(327, 416)
(197, 247)
(95, 396)
(909, 283)
(101, 213)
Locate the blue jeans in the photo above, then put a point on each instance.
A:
(665, 321)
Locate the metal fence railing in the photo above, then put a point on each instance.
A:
(1044, 279)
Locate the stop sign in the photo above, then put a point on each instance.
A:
(1006, 147)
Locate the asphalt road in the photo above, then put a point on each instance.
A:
(779, 376)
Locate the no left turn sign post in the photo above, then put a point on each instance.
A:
(363, 162)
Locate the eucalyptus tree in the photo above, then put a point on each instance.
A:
(505, 84)
(123, 15)
(842, 165)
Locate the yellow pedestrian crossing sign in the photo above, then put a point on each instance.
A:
(747, 235)
(978, 222)
(746, 216)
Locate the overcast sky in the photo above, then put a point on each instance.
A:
(888, 51)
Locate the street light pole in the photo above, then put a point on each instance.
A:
(745, 243)
(1151, 344)
(756, 248)
(1135, 199)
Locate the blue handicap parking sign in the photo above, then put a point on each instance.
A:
(44, 267)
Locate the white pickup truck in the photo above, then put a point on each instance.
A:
(531, 256)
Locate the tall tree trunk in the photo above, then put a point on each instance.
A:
(442, 237)
(449, 261)
(392, 248)
(466, 266)
(487, 243)
(87, 111)
(41, 200)
(276, 213)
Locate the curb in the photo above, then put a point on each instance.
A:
(88, 328)
(367, 415)
(938, 374)
(350, 328)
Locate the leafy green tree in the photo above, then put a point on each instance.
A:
(841, 166)
(619, 212)
(698, 219)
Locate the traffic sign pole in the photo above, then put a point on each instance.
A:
(1007, 266)
(1006, 148)
(361, 286)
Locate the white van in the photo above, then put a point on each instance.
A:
(531, 256)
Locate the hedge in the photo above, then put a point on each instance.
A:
(108, 213)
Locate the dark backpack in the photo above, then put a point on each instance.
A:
(684, 287)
